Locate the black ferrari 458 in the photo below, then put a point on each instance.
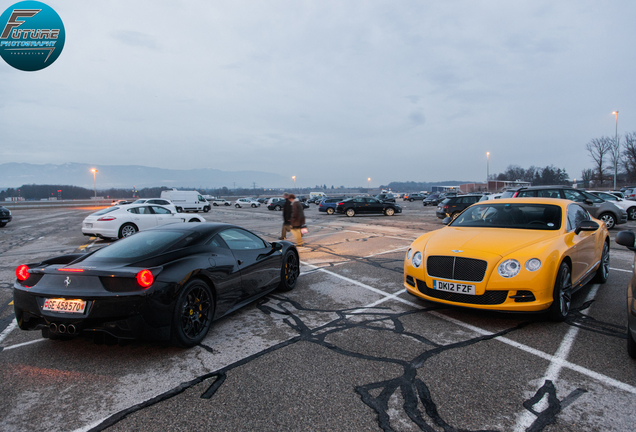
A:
(165, 283)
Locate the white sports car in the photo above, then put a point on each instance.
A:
(124, 221)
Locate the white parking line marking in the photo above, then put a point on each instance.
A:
(8, 330)
(552, 358)
(23, 344)
(527, 418)
(615, 269)
(386, 252)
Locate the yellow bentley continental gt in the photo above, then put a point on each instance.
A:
(515, 255)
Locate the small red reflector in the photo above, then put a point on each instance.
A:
(22, 272)
(74, 270)
(107, 218)
(145, 278)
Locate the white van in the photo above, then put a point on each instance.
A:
(186, 200)
(317, 194)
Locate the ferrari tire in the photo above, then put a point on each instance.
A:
(631, 344)
(631, 213)
(562, 294)
(350, 212)
(192, 314)
(389, 211)
(277, 208)
(127, 230)
(609, 219)
(289, 272)
(603, 268)
(330, 211)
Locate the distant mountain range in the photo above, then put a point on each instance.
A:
(127, 176)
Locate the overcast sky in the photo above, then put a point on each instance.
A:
(330, 91)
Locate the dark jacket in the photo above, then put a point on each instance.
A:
(298, 215)
(287, 211)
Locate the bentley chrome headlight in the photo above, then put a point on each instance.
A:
(509, 268)
(533, 264)
(417, 259)
(408, 253)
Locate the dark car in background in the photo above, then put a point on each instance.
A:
(433, 199)
(366, 205)
(628, 239)
(598, 208)
(414, 197)
(328, 205)
(275, 204)
(453, 206)
(388, 197)
(5, 216)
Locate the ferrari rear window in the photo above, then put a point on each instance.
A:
(519, 216)
(142, 244)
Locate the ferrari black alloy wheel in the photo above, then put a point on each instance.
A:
(562, 294)
(193, 314)
(289, 272)
(603, 269)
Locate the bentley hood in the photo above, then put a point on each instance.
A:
(484, 242)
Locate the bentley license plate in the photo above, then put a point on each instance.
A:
(63, 305)
(455, 287)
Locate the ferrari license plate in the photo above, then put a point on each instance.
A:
(65, 306)
(455, 287)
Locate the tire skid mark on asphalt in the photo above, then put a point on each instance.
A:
(530, 418)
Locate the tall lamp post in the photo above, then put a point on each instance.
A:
(369, 183)
(616, 141)
(94, 183)
(487, 169)
(294, 177)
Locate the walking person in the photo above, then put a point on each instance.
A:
(287, 215)
(297, 219)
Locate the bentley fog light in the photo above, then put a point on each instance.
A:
(509, 268)
(417, 259)
(408, 253)
(533, 264)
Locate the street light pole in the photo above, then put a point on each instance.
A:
(615, 155)
(369, 183)
(294, 177)
(94, 183)
(487, 169)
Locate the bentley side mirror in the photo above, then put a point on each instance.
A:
(447, 220)
(587, 225)
(627, 239)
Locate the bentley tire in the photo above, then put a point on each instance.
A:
(192, 314)
(290, 271)
(603, 268)
(562, 294)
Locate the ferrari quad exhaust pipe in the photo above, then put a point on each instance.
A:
(53, 327)
(71, 329)
(61, 328)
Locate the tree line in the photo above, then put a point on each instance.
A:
(612, 157)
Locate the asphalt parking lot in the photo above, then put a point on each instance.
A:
(347, 349)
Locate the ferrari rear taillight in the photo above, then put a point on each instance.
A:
(72, 270)
(446, 207)
(22, 272)
(106, 218)
(145, 278)
(341, 203)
